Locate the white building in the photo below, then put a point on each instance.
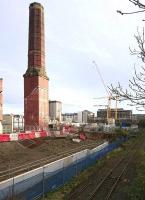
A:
(85, 116)
(12, 123)
(55, 110)
(70, 117)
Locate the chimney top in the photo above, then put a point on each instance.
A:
(36, 4)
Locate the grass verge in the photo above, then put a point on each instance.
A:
(63, 192)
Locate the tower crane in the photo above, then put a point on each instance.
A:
(109, 97)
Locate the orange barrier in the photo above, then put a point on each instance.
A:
(4, 138)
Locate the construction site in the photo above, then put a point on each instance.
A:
(40, 158)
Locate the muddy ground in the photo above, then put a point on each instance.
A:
(13, 154)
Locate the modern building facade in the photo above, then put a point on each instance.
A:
(13, 123)
(55, 110)
(1, 105)
(18, 123)
(36, 109)
(80, 117)
(70, 117)
(138, 117)
(121, 114)
(85, 116)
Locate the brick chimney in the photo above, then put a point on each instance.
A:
(35, 78)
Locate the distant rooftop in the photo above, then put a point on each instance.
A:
(70, 114)
(54, 101)
(113, 109)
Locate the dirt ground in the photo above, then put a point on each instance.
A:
(13, 154)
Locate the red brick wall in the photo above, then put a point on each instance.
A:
(35, 102)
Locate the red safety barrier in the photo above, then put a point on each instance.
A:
(4, 138)
(66, 129)
(31, 135)
(37, 134)
(43, 134)
(23, 136)
(83, 136)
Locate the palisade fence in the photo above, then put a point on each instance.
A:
(45, 182)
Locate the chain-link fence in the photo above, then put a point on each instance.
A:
(45, 181)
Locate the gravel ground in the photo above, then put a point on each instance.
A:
(13, 154)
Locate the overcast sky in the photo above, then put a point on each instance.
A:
(76, 33)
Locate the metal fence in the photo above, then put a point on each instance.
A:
(46, 182)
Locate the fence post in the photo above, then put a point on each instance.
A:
(63, 174)
(10, 188)
(86, 160)
(76, 165)
(43, 184)
(13, 189)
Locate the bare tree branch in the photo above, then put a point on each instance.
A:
(136, 3)
(136, 92)
(129, 13)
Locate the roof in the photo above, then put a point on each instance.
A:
(54, 101)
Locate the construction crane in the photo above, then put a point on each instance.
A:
(108, 106)
(109, 97)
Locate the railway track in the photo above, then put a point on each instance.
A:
(104, 186)
(11, 172)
